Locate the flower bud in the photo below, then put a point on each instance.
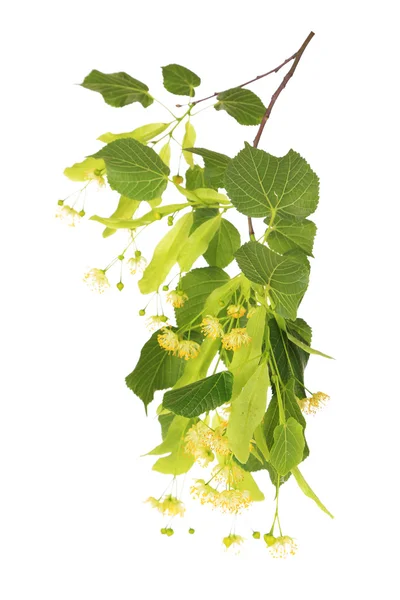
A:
(178, 179)
(142, 312)
(191, 531)
(169, 531)
(256, 535)
(120, 286)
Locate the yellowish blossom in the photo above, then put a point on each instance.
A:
(94, 175)
(97, 280)
(176, 299)
(68, 215)
(311, 405)
(156, 322)
(228, 501)
(168, 340)
(211, 327)
(236, 311)
(136, 264)
(230, 474)
(188, 349)
(251, 312)
(236, 338)
(197, 443)
(169, 505)
(282, 547)
(232, 539)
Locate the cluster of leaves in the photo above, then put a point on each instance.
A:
(260, 378)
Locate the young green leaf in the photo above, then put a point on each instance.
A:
(287, 450)
(118, 89)
(215, 165)
(188, 140)
(149, 217)
(221, 296)
(248, 484)
(84, 171)
(305, 488)
(197, 368)
(155, 370)
(259, 184)
(291, 234)
(125, 210)
(179, 80)
(165, 153)
(285, 278)
(198, 285)
(305, 347)
(194, 178)
(222, 248)
(241, 104)
(177, 463)
(247, 412)
(134, 170)
(166, 255)
(174, 437)
(196, 398)
(198, 243)
(142, 134)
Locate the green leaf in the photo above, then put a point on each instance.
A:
(305, 488)
(194, 178)
(188, 140)
(174, 437)
(261, 442)
(221, 296)
(166, 255)
(165, 420)
(118, 89)
(248, 484)
(260, 184)
(179, 80)
(291, 234)
(125, 210)
(201, 215)
(177, 463)
(290, 359)
(291, 409)
(197, 398)
(142, 134)
(241, 104)
(287, 450)
(84, 171)
(222, 248)
(305, 347)
(198, 243)
(146, 219)
(197, 368)
(134, 170)
(165, 153)
(247, 412)
(198, 285)
(285, 278)
(215, 166)
(155, 370)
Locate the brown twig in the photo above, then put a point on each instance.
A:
(274, 98)
(243, 84)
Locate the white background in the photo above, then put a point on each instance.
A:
(73, 523)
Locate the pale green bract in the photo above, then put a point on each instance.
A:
(223, 371)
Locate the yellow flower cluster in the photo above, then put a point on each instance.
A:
(236, 338)
(228, 501)
(97, 280)
(311, 405)
(236, 311)
(198, 443)
(156, 322)
(168, 506)
(230, 474)
(68, 215)
(169, 340)
(177, 299)
(211, 327)
(281, 547)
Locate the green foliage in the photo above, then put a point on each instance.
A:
(134, 170)
(287, 450)
(125, 210)
(285, 278)
(305, 488)
(83, 171)
(221, 249)
(241, 104)
(260, 184)
(118, 89)
(197, 243)
(155, 370)
(188, 140)
(179, 80)
(197, 398)
(291, 234)
(215, 165)
(149, 217)
(142, 134)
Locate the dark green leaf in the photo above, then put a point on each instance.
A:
(165, 421)
(198, 285)
(222, 248)
(291, 360)
(287, 450)
(260, 184)
(201, 215)
(291, 234)
(215, 166)
(286, 278)
(196, 398)
(179, 80)
(241, 104)
(195, 178)
(134, 170)
(155, 370)
(118, 89)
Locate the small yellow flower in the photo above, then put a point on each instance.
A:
(236, 311)
(156, 322)
(136, 264)
(198, 443)
(282, 547)
(168, 506)
(94, 175)
(176, 299)
(232, 539)
(168, 340)
(311, 405)
(230, 474)
(233, 501)
(188, 349)
(68, 215)
(97, 280)
(236, 338)
(219, 441)
(211, 327)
